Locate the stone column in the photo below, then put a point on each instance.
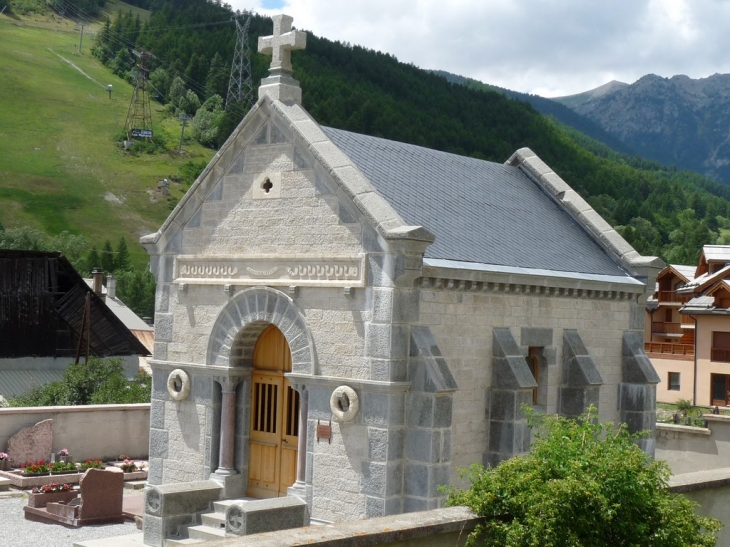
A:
(299, 487)
(226, 457)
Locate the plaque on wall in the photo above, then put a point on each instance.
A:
(324, 431)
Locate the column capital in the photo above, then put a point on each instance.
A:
(229, 383)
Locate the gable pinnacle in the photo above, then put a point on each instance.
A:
(280, 85)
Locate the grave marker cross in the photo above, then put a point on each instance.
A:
(281, 44)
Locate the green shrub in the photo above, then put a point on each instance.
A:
(25, 7)
(97, 382)
(582, 484)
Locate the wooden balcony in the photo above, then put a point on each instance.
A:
(687, 322)
(666, 348)
(720, 355)
(671, 296)
(666, 328)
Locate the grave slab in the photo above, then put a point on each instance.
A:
(31, 444)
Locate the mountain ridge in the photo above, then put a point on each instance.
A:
(677, 120)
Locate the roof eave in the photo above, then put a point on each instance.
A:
(583, 214)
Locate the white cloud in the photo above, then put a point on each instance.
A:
(552, 48)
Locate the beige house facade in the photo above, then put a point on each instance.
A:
(687, 331)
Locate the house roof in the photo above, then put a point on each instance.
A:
(704, 281)
(687, 272)
(716, 253)
(18, 381)
(130, 319)
(699, 304)
(42, 296)
(480, 211)
(724, 284)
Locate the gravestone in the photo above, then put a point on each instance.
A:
(31, 444)
(99, 502)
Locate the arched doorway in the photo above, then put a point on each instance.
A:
(272, 466)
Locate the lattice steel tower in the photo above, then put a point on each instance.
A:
(139, 115)
(240, 87)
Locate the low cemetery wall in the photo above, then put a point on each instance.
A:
(90, 431)
(447, 527)
(711, 490)
(689, 449)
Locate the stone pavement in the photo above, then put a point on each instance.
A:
(16, 531)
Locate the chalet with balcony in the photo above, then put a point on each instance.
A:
(688, 330)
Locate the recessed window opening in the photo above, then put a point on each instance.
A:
(673, 381)
(533, 363)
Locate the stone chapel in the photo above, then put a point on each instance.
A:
(350, 320)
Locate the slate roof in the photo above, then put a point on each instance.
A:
(687, 271)
(717, 253)
(18, 381)
(481, 212)
(130, 319)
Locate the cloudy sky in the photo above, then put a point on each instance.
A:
(545, 47)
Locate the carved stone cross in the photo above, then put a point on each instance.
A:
(281, 44)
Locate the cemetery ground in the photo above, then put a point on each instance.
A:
(15, 530)
(61, 167)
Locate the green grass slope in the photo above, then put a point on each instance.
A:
(60, 166)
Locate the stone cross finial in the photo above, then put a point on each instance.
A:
(281, 44)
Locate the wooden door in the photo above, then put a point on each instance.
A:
(274, 419)
(719, 388)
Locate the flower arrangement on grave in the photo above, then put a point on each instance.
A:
(3, 456)
(129, 466)
(93, 463)
(52, 487)
(35, 468)
(4, 462)
(64, 456)
(62, 467)
(63, 452)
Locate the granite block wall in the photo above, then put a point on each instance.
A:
(462, 323)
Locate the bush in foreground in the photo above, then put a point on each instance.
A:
(582, 484)
(97, 382)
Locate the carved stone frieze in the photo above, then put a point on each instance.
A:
(286, 271)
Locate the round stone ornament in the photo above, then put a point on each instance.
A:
(178, 385)
(344, 403)
(153, 502)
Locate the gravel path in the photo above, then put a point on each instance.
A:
(15, 531)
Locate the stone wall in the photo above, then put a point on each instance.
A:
(462, 323)
(688, 449)
(92, 431)
(711, 490)
(447, 527)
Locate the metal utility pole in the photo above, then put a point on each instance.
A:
(240, 86)
(139, 115)
(184, 119)
(81, 40)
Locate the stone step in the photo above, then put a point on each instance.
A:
(214, 520)
(221, 506)
(205, 532)
(183, 541)
(4, 484)
(135, 485)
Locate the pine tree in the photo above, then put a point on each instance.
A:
(92, 260)
(217, 79)
(122, 262)
(107, 257)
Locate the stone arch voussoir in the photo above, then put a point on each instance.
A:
(246, 315)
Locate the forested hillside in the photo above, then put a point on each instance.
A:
(659, 210)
